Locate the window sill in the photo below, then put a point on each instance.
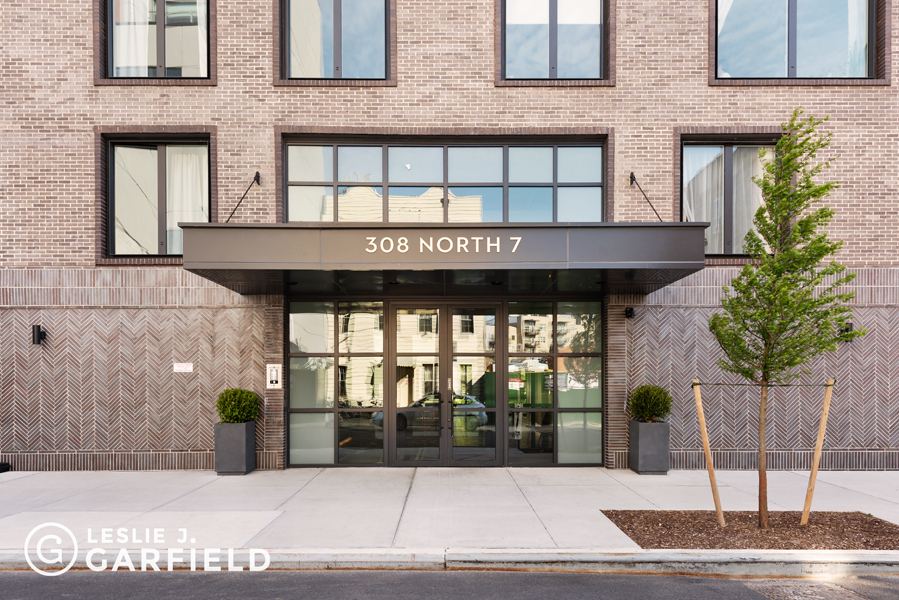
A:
(140, 261)
(714, 81)
(335, 82)
(153, 81)
(554, 83)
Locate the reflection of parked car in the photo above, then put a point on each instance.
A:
(470, 419)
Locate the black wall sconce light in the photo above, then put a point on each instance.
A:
(38, 335)
(848, 329)
(629, 313)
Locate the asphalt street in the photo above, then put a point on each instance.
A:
(405, 585)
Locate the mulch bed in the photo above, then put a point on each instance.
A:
(698, 529)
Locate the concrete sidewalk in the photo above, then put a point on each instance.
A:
(395, 514)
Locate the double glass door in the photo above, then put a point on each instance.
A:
(442, 393)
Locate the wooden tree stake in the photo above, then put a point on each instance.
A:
(708, 452)
(817, 458)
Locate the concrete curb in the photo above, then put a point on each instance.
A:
(721, 563)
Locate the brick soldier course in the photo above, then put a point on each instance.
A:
(100, 393)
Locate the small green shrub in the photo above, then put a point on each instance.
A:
(238, 406)
(650, 404)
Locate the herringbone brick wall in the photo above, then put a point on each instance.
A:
(668, 344)
(100, 392)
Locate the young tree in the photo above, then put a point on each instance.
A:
(785, 307)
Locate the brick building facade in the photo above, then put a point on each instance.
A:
(100, 392)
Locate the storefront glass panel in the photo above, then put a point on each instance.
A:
(311, 327)
(360, 438)
(360, 327)
(312, 382)
(531, 382)
(580, 437)
(579, 327)
(311, 438)
(579, 382)
(530, 438)
(474, 435)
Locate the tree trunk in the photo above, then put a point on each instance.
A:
(763, 459)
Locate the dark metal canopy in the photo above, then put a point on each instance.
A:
(442, 259)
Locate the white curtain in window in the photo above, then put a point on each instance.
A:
(131, 38)
(747, 195)
(202, 36)
(187, 191)
(703, 195)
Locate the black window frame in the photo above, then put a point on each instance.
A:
(728, 184)
(792, 40)
(160, 144)
(337, 39)
(604, 68)
(385, 143)
(160, 48)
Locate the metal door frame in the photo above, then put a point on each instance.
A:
(445, 359)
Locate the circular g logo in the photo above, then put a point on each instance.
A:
(49, 549)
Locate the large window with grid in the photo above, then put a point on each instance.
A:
(553, 39)
(555, 383)
(336, 376)
(158, 39)
(154, 186)
(336, 39)
(442, 183)
(818, 39)
(717, 186)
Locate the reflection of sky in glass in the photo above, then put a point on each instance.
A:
(580, 204)
(415, 165)
(312, 38)
(832, 38)
(310, 163)
(578, 56)
(529, 205)
(531, 165)
(358, 164)
(363, 39)
(752, 38)
(527, 51)
(580, 165)
(489, 207)
(475, 165)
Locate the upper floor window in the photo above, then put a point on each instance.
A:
(553, 39)
(154, 187)
(718, 188)
(336, 39)
(431, 183)
(795, 39)
(158, 38)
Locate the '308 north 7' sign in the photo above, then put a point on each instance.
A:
(444, 244)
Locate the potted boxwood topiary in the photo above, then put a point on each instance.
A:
(649, 406)
(235, 436)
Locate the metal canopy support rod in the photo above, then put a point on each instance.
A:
(256, 181)
(633, 181)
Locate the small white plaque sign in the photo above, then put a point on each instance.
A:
(183, 368)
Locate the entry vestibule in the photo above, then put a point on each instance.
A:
(438, 383)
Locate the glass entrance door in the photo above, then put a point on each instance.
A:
(443, 390)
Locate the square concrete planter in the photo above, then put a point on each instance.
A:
(235, 448)
(648, 453)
